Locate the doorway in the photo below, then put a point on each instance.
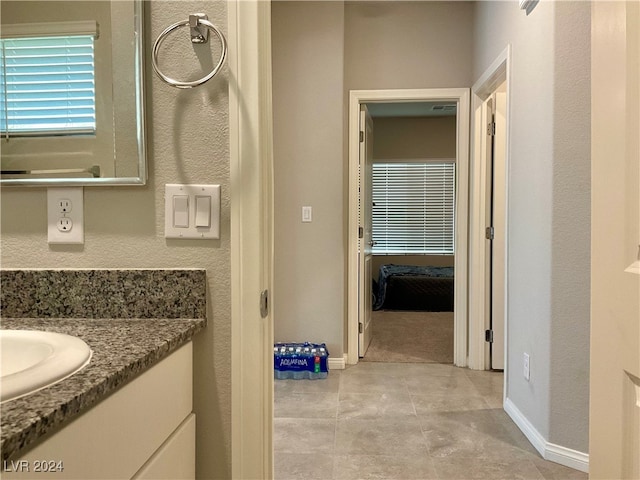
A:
(357, 98)
(407, 219)
(488, 241)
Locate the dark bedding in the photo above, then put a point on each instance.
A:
(407, 287)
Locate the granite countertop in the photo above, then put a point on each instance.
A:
(122, 349)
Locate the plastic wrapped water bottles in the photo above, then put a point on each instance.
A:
(300, 360)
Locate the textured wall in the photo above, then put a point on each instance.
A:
(571, 239)
(408, 44)
(530, 196)
(414, 138)
(548, 208)
(124, 226)
(308, 170)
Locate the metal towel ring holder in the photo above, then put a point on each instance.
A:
(198, 35)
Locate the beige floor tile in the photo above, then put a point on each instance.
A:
(305, 405)
(469, 434)
(375, 405)
(451, 385)
(387, 467)
(402, 421)
(425, 404)
(304, 435)
(372, 383)
(380, 437)
(404, 369)
(303, 466)
(473, 468)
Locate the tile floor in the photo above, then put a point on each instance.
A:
(402, 421)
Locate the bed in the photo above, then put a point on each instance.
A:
(408, 287)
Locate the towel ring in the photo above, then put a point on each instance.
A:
(197, 36)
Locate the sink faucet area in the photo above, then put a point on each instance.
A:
(34, 359)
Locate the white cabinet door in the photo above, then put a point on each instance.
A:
(176, 458)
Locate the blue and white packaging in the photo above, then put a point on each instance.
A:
(300, 360)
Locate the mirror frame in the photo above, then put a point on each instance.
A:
(141, 179)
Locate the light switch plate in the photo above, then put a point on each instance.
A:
(307, 214)
(194, 194)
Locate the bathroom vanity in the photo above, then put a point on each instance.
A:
(129, 412)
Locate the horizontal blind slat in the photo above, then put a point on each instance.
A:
(48, 85)
(413, 209)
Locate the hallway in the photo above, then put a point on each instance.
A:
(402, 421)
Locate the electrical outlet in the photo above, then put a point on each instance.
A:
(65, 215)
(526, 371)
(64, 205)
(65, 224)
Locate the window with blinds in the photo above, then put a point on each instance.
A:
(47, 85)
(413, 208)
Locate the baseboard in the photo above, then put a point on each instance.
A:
(523, 423)
(337, 363)
(567, 457)
(549, 451)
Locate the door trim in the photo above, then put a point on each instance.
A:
(461, 96)
(251, 172)
(498, 72)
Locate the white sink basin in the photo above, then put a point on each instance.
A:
(33, 359)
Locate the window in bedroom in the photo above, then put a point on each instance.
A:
(47, 80)
(413, 208)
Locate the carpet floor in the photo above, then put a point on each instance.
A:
(411, 337)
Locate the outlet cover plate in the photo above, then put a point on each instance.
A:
(75, 235)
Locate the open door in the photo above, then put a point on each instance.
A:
(498, 213)
(495, 108)
(365, 303)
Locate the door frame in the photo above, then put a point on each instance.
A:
(365, 259)
(497, 73)
(461, 97)
(251, 216)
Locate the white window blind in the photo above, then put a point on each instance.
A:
(413, 208)
(47, 85)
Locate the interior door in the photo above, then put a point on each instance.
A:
(495, 214)
(614, 403)
(365, 304)
(498, 209)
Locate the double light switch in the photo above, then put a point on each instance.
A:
(192, 211)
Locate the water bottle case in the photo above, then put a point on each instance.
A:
(300, 360)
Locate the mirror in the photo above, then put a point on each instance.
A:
(71, 93)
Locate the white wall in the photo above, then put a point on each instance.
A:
(124, 226)
(548, 210)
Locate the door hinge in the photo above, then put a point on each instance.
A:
(491, 128)
(264, 303)
(488, 336)
(361, 136)
(360, 328)
(360, 232)
(489, 233)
